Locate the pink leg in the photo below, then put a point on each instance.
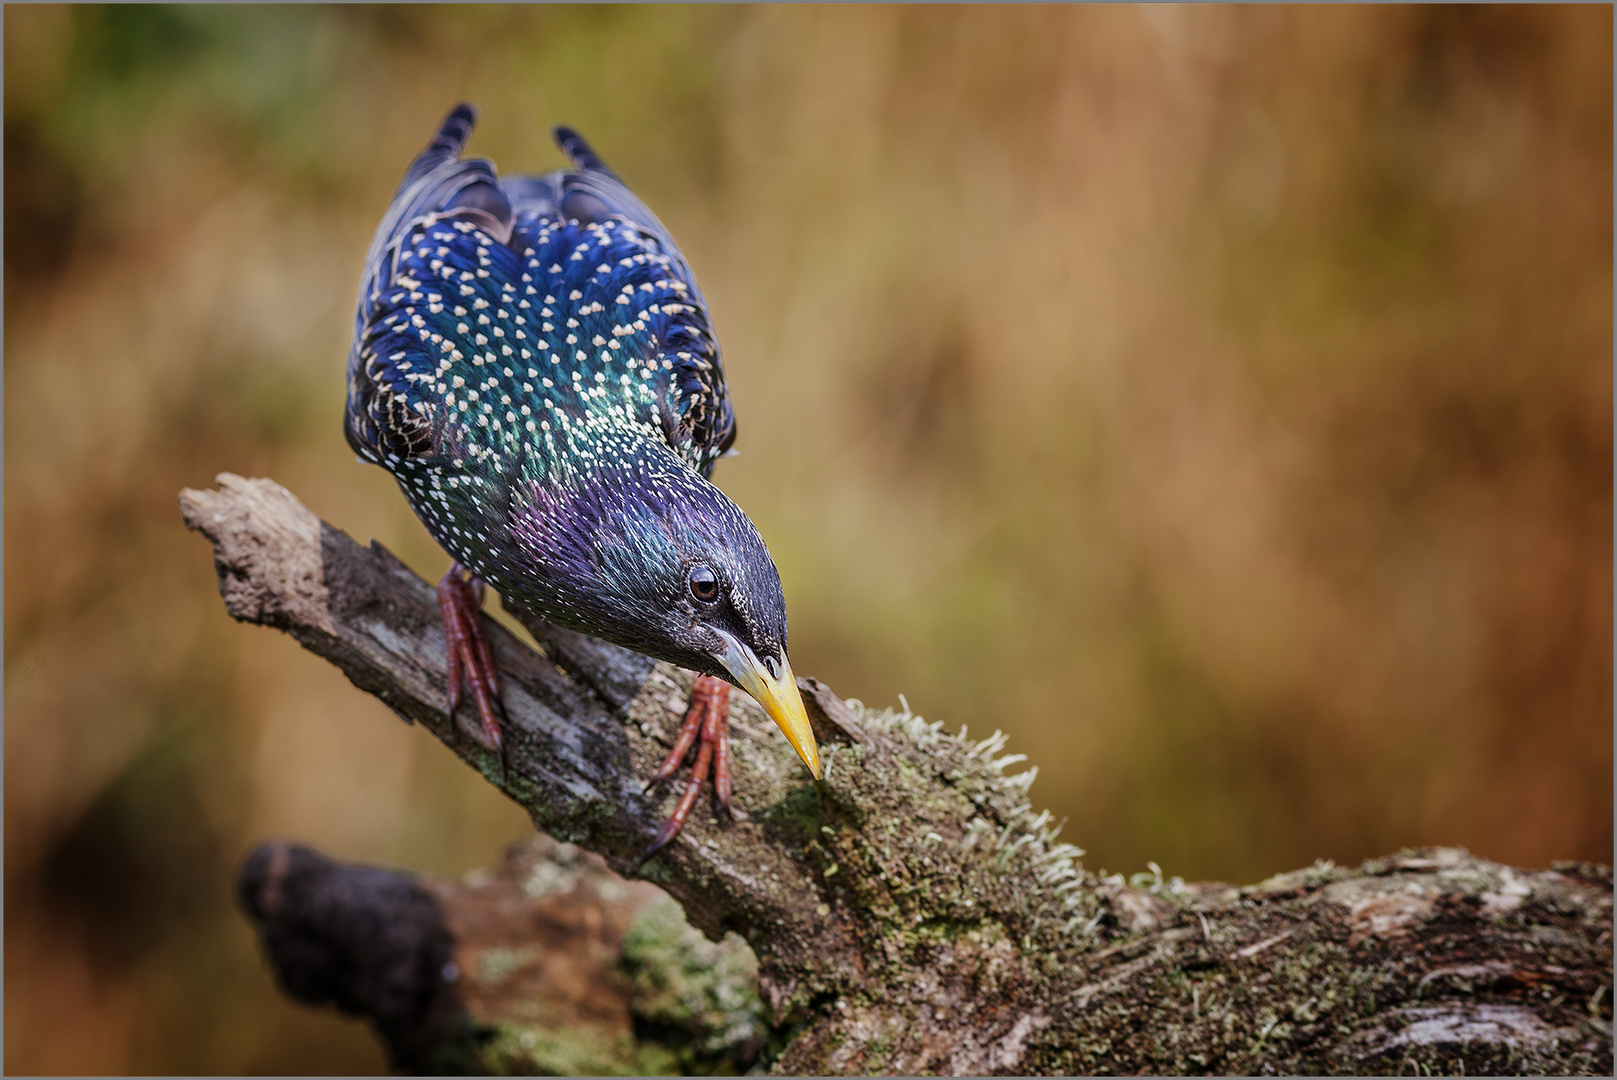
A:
(707, 717)
(460, 601)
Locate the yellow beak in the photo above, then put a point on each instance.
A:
(778, 695)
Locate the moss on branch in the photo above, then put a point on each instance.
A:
(911, 913)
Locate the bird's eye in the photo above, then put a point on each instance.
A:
(703, 583)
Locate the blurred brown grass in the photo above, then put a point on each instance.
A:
(1218, 400)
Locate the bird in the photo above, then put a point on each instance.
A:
(533, 362)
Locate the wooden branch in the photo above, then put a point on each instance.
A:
(547, 963)
(910, 913)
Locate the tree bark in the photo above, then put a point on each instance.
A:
(909, 912)
(547, 963)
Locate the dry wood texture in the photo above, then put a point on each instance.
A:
(910, 913)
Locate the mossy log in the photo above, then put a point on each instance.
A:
(910, 913)
(547, 962)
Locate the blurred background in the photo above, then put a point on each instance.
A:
(1217, 400)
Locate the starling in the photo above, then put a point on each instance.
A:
(532, 361)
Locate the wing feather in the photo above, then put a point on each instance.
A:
(548, 222)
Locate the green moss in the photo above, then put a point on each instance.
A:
(692, 993)
(795, 819)
(574, 1051)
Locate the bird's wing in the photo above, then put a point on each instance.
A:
(632, 251)
(532, 231)
(387, 418)
(437, 182)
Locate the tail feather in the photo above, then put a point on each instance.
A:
(438, 181)
(445, 146)
(574, 146)
(455, 130)
(591, 193)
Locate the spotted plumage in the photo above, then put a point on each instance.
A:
(533, 362)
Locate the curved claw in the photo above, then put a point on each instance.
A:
(460, 602)
(708, 718)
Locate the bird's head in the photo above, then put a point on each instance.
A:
(651, 556)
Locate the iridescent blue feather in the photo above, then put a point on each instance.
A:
(532, 356)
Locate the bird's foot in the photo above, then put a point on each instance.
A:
(706, 718)
(460, 600)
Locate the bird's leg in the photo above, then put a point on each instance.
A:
(706, 718)
(460, 600)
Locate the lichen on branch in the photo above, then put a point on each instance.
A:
(911, 913)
